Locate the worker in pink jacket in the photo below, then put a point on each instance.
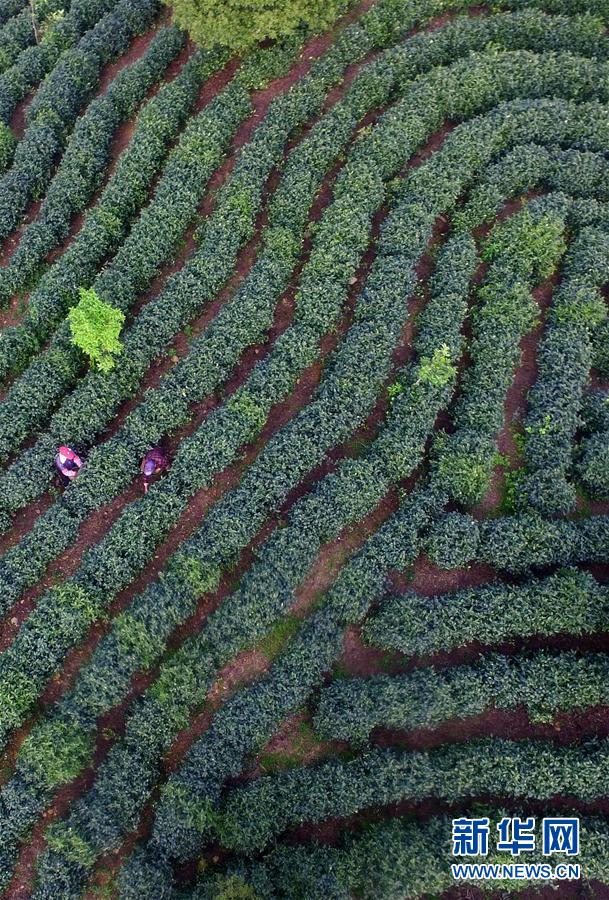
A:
(68, 464)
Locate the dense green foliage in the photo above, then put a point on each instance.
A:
(95, 327)
(239, 24)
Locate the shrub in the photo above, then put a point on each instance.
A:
(240, 24)
(8, 143)
(438, 369)
(95, 327)
(453, 541)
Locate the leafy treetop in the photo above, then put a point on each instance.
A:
(96, 326)
(240, 24)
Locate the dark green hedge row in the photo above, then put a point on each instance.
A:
(600, 349)
(53, 111)
(564, 361)
(544, 684)
(18, 33)
(84, 163)
(524, 251)
(452, 541)
(385, 860)
(593, 458)
(10, 8)
(34, 63)
(15, 36)
(568, 602)
(531, 166)
(252, 815)
(522, 543)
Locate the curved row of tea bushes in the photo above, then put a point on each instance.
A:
(522, 543)
(82, 167)
(524, 252)
(253, 814)
(600, 350)
(53, 111)
(10, 8)
(519, 544)
(564, 361)
(568, 602)
(398, 858)
(544, 684)
(18, 32)
(593, 451)
(531, 166)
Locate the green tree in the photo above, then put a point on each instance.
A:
(239, 24)
(96, 326)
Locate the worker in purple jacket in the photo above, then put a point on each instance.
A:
(154, 463)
